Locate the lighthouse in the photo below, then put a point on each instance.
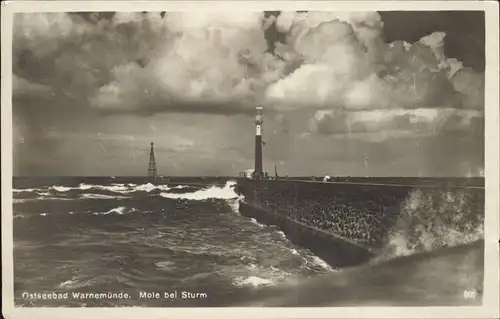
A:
(152, 173)
(258, 143)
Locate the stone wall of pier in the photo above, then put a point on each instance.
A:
(358, 213)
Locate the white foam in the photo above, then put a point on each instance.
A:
(65, 188)
(24, 200)
(43, 214)
(253, 220)
(181, 186)
(119, 188)
(67, 283)
(281, 233)
(420, 226)
(164, 264)
(117, 210)
(252, 266)
(252, 281)
(235, 204)
(149, 187)
(113, 188)
(62, 188)
(320, 262)
(116, 188)
(24, 190)
(85, 186)
(101, 196)
(213, 192)
(75, 283)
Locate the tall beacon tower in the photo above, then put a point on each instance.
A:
(258, 143)
(152, 173)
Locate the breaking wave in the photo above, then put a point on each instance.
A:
(122, 191)
(213, 192)
(118, 188)
(61, 188)
(430, 221)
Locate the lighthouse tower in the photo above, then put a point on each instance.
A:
(152, 173)
(258, 143)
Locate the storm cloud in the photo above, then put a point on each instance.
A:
(324, 74)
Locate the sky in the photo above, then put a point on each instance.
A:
(403, 90)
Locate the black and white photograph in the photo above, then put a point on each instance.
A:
(206, 157)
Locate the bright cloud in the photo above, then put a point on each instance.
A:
(328, 75)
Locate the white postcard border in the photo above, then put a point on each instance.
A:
(492, 209)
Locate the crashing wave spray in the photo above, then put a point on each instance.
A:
(432, 220)
(213, 192)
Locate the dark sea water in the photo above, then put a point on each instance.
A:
(133, 237)
(128, 236)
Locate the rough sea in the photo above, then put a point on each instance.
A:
(127, 242)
